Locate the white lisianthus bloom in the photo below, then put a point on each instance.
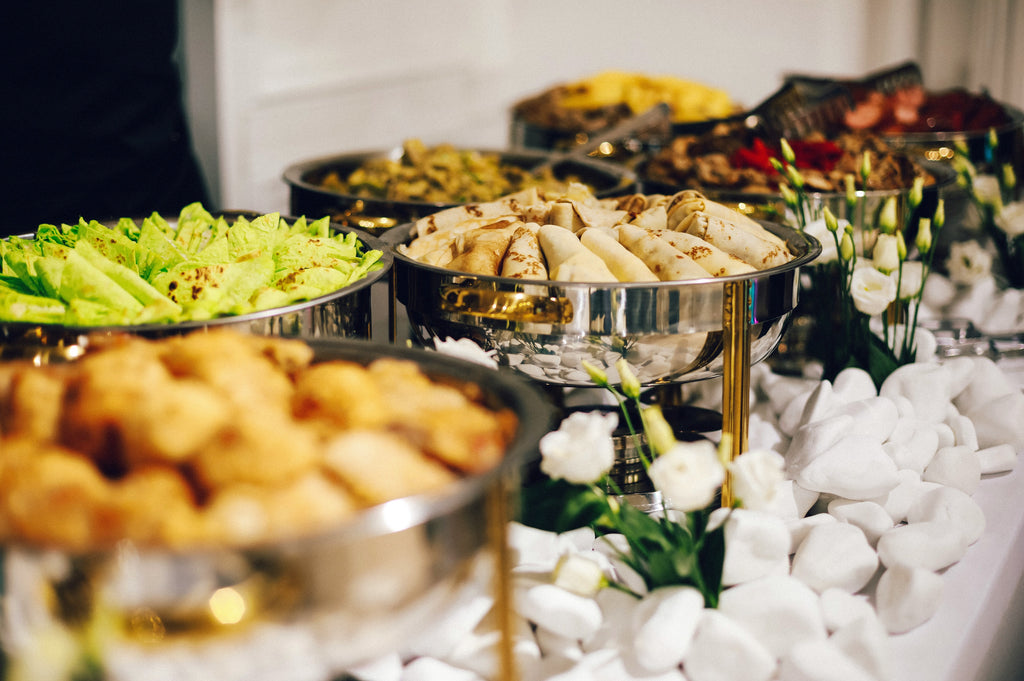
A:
(986, 190)
(872, 290)
(1011, 219)
(579, 574)
(466, 349)
(829, 252)
(755, 477)
(968, 262)
(911, 279)
(688, 475)
(581, 451)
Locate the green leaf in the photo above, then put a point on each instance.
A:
(560, 506)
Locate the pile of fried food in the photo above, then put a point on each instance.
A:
(575, 237)
(438, 174)
(221, 438)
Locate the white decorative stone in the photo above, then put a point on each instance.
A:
(856, 467)
(963, 431)
(820, 661)
(800, 528)
(840, 608)
(961, 372)
(947, 438)
(533, 548)
(997, 459)
(555, 645)
(780, 611)
(559, 610)
(432, 669)
(898, 501)
(808, 408)
(854, 384)
(664, 623)
(616, 630)
(907, 597)
(756, 545)
(957, 467)
(953, 507)
(479, 651)
(835, 555)
(1000, 421)
(870, 517)
(988, 382)
(385, 668)
(927, 386)
(722, 650)
(813, 439)
(916, 452)
(930, 545)
(866, 642)
(875, 416)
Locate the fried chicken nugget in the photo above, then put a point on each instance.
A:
(379, 466)
(259, 446)
(53, 496)
(341, 394)
(235, 367)
(157, 507)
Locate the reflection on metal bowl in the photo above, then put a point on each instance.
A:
(669, 332)
(345, 313)
(307, 608)
(309, 197)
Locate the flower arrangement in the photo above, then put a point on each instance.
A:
(1002, 213)
(675, 545)
(869, 284)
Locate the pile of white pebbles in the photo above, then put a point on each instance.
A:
(877, 503)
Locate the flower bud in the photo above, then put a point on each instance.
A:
(901, 246)
(660, 435)
(830, 220)
(924, 236)
(914, 198)
(886, 253)
(939, 218)
(865, 168)
(851, 188)
(887, 218)
(787, 151)
(579, 574)
(788, 195)
(630, 384)
(777, 164)
(794, 176)
(993, 139)
(597, 375)
(1009, 177)
(846, 249)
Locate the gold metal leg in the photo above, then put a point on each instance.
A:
(498, 518)
(736, 372)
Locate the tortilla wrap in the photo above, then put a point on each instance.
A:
(717, 262)
(568, 259)
(654, 217)
(524, 259)
(445, 219)
(482, 250)
(665, 261)
(689, 202)
(748, 247)
(429, 243)
(620, 260)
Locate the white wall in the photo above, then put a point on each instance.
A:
(271, 83)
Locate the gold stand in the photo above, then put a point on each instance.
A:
(735, 373)
(497, 524)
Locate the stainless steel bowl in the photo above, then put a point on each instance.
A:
(669, 332)
(309, 197)
(313, 606)
(345, 313)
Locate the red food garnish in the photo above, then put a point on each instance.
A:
(814, 155)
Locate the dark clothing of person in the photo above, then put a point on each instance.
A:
(92, 122)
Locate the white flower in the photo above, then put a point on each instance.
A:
(817, 229)
(872, 291)
(579, 574)
(688, 475)
(1011, 219)
(755, 477)
(911, 279)
(886, 254)
(465, 348)
(986, 190)
(968, 262)
(581, 450)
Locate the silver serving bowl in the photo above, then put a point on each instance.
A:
(313, 606)
(345, 313)
(669, 332)
(309, 197)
